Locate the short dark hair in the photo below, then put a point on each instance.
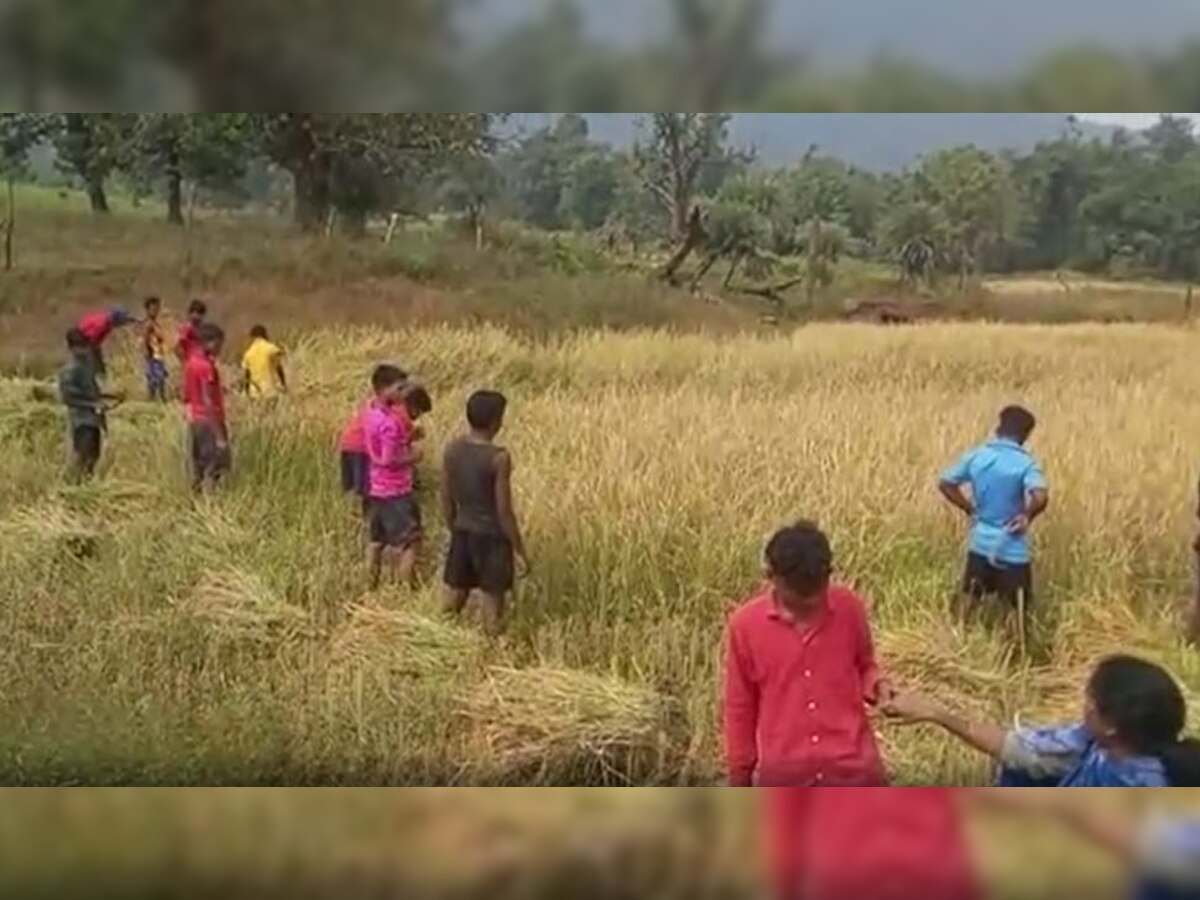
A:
(384, 376)
(210, 333)
(1016, 422)
(259, 331)
(151, 301)
(197, 308)
(77, 340)
(800, 555)
(1144, 705)
(485, 410)
(418, 402)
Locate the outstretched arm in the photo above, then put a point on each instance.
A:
(912, 707)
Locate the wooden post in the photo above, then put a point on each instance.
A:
(393, 221)
(330, 222)
(10, 224)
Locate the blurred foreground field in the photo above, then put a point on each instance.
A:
(150, 641)
(465, 844)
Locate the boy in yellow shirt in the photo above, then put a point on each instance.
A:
(262, 366)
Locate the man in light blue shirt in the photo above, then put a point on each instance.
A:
(1008, 491)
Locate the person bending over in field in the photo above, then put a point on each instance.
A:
(800, 673)
(154, 351)
(394, 519)
(204, 397)
(1131, 734)
(263, 377)
(188, 340)
(97, 327)
(1008, 492)
(487, 550)
(86, 405)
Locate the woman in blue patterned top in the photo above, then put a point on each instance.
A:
(1131, 734)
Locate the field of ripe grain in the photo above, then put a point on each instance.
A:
(152, 640)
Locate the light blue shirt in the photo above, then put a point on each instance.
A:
(1001, 474)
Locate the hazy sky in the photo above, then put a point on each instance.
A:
(1133, 120)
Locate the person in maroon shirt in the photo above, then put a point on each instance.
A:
(188, 341)
(799, 673)
(204, 397)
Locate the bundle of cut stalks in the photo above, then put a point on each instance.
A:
(402, 643)
(238, 606)
(52, 524)
(549, 717)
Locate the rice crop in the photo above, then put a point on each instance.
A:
(232, 638)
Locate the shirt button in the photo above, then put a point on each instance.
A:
(816, 739)
(807, 673)
(820, 776)
(812, 704)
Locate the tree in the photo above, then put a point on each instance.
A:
(590, 191)
(470, 183)
(211, 149)
(19, 133)
(348, 161)
(673, 156)
(90, 146)
(972, 189)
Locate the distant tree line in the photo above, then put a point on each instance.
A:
(1125, 205)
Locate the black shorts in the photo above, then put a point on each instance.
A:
(209, 460)
(479, 561)
(1007, 581)
(394, 521)
(86, 441)
(354, 473)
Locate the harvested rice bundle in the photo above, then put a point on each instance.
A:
(402, 643)
(238, 606)
(52, 524)
(558, 717)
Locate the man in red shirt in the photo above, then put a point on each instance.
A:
(188, 341)
(205, 401)
(97, 326)
(799, 672)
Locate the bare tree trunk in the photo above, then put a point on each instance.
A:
(733, 267)
(477, 220)
(693, 238)
(174, 188)
(10, 224)
(311, 193)
(703, 270)
(97, 197)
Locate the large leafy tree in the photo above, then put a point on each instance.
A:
(90, 147)
(351, 161)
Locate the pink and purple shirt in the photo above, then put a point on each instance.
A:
(387, 438)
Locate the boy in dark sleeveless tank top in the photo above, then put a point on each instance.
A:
(486, 548)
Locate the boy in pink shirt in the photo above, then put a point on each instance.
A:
(394, 518)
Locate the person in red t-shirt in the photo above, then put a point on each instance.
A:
(205, 400)
(799, 674)
(97, 326)
(188, 341)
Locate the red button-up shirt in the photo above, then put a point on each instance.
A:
(881, 843)
(796, 695)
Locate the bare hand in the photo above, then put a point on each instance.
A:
(1019, 525)
(522, 565)
(910, 707)
(885, 692)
